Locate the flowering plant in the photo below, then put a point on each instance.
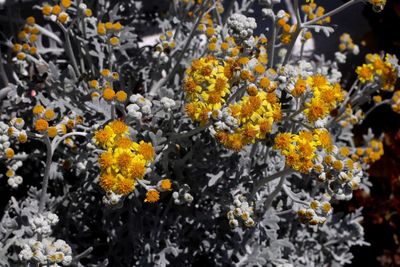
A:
(209, 143)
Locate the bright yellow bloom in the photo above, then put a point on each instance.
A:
(365, 73)
(152, 196)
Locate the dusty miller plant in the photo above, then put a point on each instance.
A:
(206, 144)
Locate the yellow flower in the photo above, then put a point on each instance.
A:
(52, 131)
(108, 181)
(152, 196)
(166, 184)
(66, 3)
(365, 73)
(121, 96)
(38, 109)
(125, 186)
(117, 26)
(106, 160)
(63, 17)
(101, 29)
(146, 150)
(137, 167)
(41, 125)
(114, 41)
(118, 127)
(9, 152)
(46, 10)
(56, 10)
(104, 137)
(49, 114)
(108, 94)
(30, 20)
(316, 109)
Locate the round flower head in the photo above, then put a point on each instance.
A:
(41, 125)
(152, 196)
(108, 94)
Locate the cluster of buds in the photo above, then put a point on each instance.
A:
(167, 44)
(317, 212)
(14, 180)
(287, 29)
(41, 224)
(139, 107)
(16, 130)
(111, 198)
(351, 117)
(153, 192)
(44, 116)
(370, 153)
(240, 209)
(241, 27)
(57, 12)
(28, 36)
(182, 196)
(167, 103)
(312, 11)
(341, 173)
(47, 252)
(347, 45)
(111, 31)
(104, 85)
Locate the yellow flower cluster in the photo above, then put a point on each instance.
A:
(104, 86)
(124, 161)
(325, 96)
(312, 11)
(256, 114)
(371, 153)
(377, 68)
(43, 116)
(254, 104)
(300, 150)
(60, 11)
(206, 86)
(166, 42)
(111, 30)
(28, 36)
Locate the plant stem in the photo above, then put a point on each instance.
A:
(57, 141)
(274, 28)
(292, 196)
(45, 182)
(270, 178)
(2, 71)
(190, 133)
(68, 48)
(332, 12)
(291, 46)
(387, 101)
(271, 197)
